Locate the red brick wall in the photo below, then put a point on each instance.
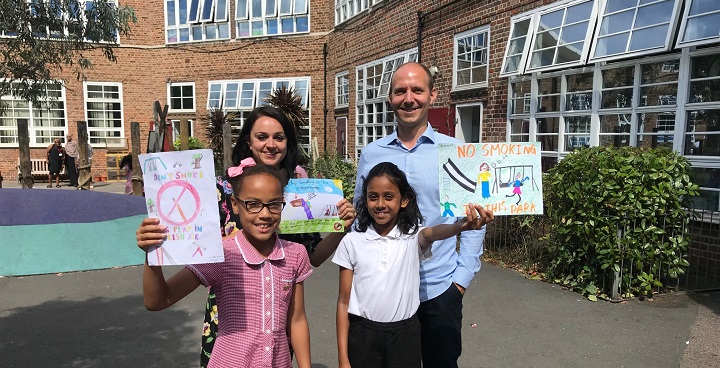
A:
(145, 63)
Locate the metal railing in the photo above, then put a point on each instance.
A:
(522, 242)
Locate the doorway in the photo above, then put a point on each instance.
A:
(341, 138)
(468, 122)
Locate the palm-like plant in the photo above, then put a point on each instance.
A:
(215, 119)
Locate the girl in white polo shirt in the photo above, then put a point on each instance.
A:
(379, 296)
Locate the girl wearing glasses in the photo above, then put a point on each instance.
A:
(269, 138)
(260, 283)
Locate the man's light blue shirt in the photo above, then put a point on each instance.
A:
(420, 164)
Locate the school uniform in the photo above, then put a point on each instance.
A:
(384, 297)
(253, 297)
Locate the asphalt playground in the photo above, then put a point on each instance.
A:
(97, 319)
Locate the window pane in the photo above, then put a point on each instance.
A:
(703, 133)
(302, 24)
(656, 129)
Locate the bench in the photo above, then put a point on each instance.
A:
(39, 170)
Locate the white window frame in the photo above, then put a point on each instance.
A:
(348, 9)
(538, 13)
(210, 28)
(83, 7)
(181, 97)
(526, 44)
(377, 106)
(683, 25)
(257, 98)
(342, 89)
(667, 44)
(267, 16)
(467, 34)
(60, 131)
(113, 141)
(176, 132)
(681, 106)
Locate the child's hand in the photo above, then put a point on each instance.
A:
(477, 217)
(150, 234)
(346, 211)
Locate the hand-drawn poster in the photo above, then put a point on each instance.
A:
(311, 206)
(503, 177)
(180, 191)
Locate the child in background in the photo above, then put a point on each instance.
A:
(377, 325)
(260, 283)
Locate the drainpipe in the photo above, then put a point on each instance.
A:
(421, 25)
(325, 107)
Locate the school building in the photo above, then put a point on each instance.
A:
(567, 74)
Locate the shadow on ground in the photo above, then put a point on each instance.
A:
(710, 300)
(97, 332)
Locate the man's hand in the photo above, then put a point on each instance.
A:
(462, 289)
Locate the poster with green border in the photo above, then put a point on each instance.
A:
(311, 206)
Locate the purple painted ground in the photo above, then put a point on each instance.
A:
(35, 207)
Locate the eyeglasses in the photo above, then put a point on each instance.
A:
(253, 206)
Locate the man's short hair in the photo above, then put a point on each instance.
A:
(427, 71)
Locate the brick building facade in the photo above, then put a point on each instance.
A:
(566, 73)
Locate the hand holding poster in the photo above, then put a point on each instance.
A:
(505, 178)
(310, 206)
(180, 191)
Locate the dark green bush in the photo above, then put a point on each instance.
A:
(334, 166)
(618, 215)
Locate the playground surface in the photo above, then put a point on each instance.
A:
(97, 319)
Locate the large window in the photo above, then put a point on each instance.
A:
(243, 95)
(471, 50)
(670, 101)
(570, 33)
(701, 23)
(560, 37)
(104, 114)
(342, 89)
(271, 17)
(70, 12)
(375, 118)
(346, 9)
(181, 97)
(634, 27)
(196, 20)
(46, 120)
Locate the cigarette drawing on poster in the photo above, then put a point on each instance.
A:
(180, 191)
(311, 206)
(503, 177)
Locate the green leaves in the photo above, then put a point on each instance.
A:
(46, 37)
(618, 211)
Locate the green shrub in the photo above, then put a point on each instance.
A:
(334, 166)
(618, 211)
(194, 143)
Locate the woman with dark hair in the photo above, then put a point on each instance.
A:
(269, 138)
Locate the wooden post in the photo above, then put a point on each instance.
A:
(84, 173)
(184, 134)
(227, 146)
(25, 178)
(138, 187)
(160, 115)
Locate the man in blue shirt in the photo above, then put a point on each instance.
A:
(413, 147)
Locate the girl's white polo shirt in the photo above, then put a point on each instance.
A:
(386, 274)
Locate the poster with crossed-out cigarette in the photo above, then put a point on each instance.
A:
(503, 177)
(180, 191)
